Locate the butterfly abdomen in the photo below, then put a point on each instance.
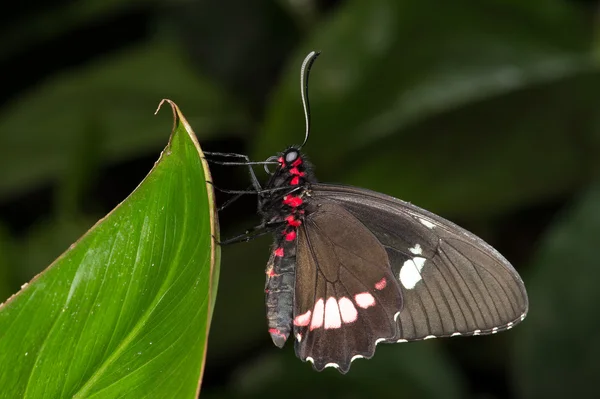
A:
(279, 290)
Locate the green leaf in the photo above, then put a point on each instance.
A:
(447, 96)
(125, 311)
(557, 349)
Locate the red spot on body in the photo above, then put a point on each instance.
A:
(295, 181)
(296, 172)
(292, 221)
(381, 284)
(297, 162)
(281, 161)
(275, 331)
(292, 201)
(291, 236)
(278, 252)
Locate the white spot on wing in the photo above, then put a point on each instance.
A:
(347, 310)
(509, 325)
(310, 359)
(332, 314)
(427, 223)
(396, 316)
(379, 340)
(430, 337)
(334, 365)
(364, 300)
(318, 314)
(401, 341)
(410, 273)
(456, 334)
(417, 250)
(299, 337)
(476, 332)
(356, 357)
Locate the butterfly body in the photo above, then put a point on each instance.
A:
(286, 210)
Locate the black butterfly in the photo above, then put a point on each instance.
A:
(351, 268)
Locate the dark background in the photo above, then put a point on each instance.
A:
(486, 112)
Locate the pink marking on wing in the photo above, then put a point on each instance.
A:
(278, 252)
(364, 300)
(319, 312)
(332, 314)
(303, 319)
(295, 181)
(381, 284)
(347, 310)
(297, 162)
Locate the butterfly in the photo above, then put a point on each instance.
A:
(351, 268)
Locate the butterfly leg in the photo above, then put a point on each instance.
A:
(250, 190)
(252, 233)
(239, 193)
(247, 162)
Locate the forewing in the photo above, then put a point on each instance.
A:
(346, 297)
(452, 282)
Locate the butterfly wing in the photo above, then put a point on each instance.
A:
(345, 292)
(450, 282)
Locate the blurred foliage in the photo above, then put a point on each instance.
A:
(482, 111)
(558, 364)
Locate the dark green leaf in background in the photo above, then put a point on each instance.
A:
(125, 311)
(558, 350)
(464, 104)
(106, 104)
(406, 369)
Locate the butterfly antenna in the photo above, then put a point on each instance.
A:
(304, 72)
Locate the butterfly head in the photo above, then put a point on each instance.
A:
(291, 155)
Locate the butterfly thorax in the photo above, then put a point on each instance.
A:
(285, 193)
(283, 205)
